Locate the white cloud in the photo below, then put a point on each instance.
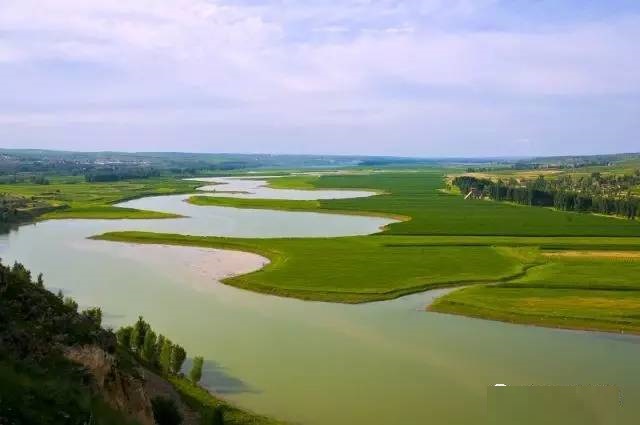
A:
(298, 63)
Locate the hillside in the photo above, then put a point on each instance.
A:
(59, 366)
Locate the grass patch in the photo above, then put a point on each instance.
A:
(75, 198)
(351, 269)
(283, 205)
(272, 204)
(606, 273)
(434, 212)
(599, 293)
(565, 308)
(203, 401)
(106, 212)
(293, 182)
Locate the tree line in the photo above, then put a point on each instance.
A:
(117, 173)
(600, 194)
(160, 353)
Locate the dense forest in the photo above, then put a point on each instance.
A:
(597, 193)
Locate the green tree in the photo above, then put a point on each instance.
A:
(178, 355)
(159, 344)
(149, 346)
(137, 336)
(71, 303)
(196, 369)
(165, 356)
(94, 314)
(123, 335)
(40, 281)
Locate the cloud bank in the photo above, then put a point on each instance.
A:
(430, 77)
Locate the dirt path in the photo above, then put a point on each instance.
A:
(157, 386)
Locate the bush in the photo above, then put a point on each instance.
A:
(213, 416)
(165, 411)
(196, 369)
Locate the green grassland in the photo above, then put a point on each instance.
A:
(203, 401)
(434, 212)
(564, 308)
(273, 204)
(390, 266)
(416, 198)
(282, 204)
(306, 182)
(350, 269)
(73, 197)
(444, 241)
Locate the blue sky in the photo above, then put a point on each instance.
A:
(391, 77)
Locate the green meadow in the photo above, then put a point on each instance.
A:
(352, 269)
(564, 308)
(73, 197)
(526, 264)
(514, 280)
(417, 198)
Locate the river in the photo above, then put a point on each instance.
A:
(309, 362)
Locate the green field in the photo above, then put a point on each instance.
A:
(352, 269)
(445, 241)
(564, 308)
(75, 198)
(434, 212)
(273, 204)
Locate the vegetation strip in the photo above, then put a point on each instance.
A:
(489, 245)
(283, 205)
(73, 197)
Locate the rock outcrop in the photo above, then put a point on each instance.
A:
(119, 389)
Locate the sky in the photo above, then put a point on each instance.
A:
(380, 77)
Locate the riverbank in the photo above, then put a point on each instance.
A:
(534, 288)
(588, 310)
(71, 197)
(572, 311)
(418, 366)
(283, 205)
(324, 269)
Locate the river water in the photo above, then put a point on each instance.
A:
(310, 362)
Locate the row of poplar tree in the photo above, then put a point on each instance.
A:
(157, 350)
(541, 192)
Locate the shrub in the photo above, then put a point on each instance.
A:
(165, 411)
(196, 369)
